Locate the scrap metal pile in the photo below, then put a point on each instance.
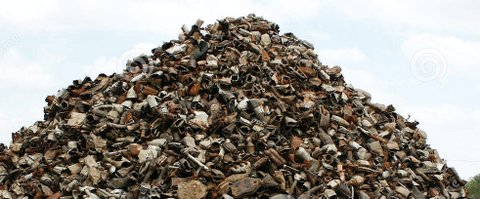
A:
(229, 110)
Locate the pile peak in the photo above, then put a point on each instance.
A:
(228, 110)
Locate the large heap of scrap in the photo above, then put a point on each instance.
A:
(232, 109)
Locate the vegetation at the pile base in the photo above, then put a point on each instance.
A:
(473, 187)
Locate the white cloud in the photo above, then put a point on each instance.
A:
(163, 16)
(17, 71)
(313, 36)
(456, 56)
(341, 55)
(116, 64)
(438, 15)
(4, 124)
(26, 12)
(14, 117)
(146, 15)
(364, 79)
(24, 82)
(440, 114)
(476, 116)
(102, 65)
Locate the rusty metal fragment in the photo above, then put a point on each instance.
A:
(192, 189)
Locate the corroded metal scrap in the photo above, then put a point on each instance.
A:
(228, 110)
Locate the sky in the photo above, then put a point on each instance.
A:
(420, 56)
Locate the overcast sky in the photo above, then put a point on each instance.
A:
(420, 56)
